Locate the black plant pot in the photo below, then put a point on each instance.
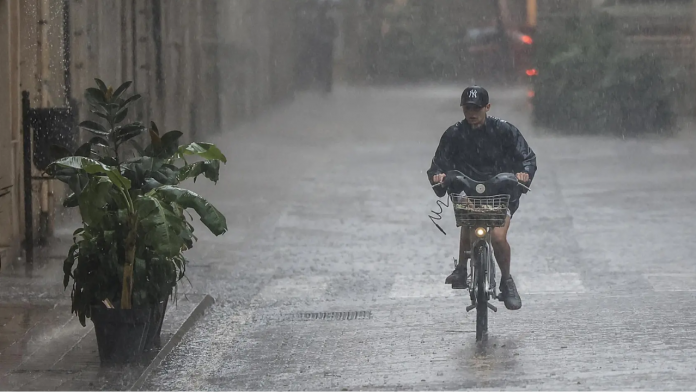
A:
(121, 333)
(153, 339)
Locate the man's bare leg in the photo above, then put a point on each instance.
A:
(501, 248)
(464, 243)
(458, 277)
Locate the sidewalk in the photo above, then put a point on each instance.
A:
(44, 347)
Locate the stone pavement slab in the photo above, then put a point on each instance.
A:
(333, 199)
(42, 344)
(44, 347)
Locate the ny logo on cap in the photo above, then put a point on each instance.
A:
(473, 94)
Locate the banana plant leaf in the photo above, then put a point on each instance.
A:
(210, 216)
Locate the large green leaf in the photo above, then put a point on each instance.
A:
(99, 141)
(68, 264)
(211, 170)
(118, 179)
(99, 112)
(121, 115)
(71, 201)
(210, 216)
(74, 178)
(94, 127)
(127, 132)
(95, 96)
(187, 236)
(113, 174)
(166, 174)
(102, 85)
(78, 182)
(142, 168)
(108, 160)
(130, 127)
(131, 99)
(120, 90)
(77, 233)
(78, 163)
(203, 150)
(150, 184)
(112, 107)
(161, 226)
(170, 143)
(93, 201)
(92, 166)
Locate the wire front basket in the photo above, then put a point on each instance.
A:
(489, 211)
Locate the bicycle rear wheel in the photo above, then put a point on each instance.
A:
(481, 294)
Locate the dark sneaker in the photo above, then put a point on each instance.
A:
(509, 294)
(458, 277)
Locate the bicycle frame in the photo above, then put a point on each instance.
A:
(482, 287)
(488, 265)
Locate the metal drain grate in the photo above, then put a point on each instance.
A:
(310, 316)
(362, 315)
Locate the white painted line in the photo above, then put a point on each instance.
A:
(421, 286)
(431, 286)
(670, 149)
(305, 287)
(549, 282)
(671, 282)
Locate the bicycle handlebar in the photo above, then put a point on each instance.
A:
(521, 184)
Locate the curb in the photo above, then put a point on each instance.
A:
(174, 341)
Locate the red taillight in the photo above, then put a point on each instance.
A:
(530, 93)
(527, 39)
(532, 72)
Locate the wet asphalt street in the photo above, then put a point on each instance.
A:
(332, 276)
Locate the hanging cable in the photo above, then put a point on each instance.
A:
(438, 215)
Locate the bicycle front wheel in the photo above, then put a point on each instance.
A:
(481, 271)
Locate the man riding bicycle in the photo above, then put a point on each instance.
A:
(482, 147)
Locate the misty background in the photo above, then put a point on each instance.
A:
(329, 112)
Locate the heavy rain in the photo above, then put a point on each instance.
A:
(347, 194)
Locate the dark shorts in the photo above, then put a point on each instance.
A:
(513, 206)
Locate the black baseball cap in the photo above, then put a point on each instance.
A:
(475, 95)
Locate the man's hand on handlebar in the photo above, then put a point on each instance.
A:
(523, 177)
(438, 178)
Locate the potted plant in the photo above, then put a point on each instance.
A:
(127, 257)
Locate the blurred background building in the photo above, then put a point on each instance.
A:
(206, 65)
(201, 66)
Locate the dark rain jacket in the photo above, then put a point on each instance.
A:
(482, 153)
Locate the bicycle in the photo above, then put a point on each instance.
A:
(481, 213)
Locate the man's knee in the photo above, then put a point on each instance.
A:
(499, 237)
(499, 234)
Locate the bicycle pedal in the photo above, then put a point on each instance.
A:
(459, 286)
(491, 307)
(470, 307)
